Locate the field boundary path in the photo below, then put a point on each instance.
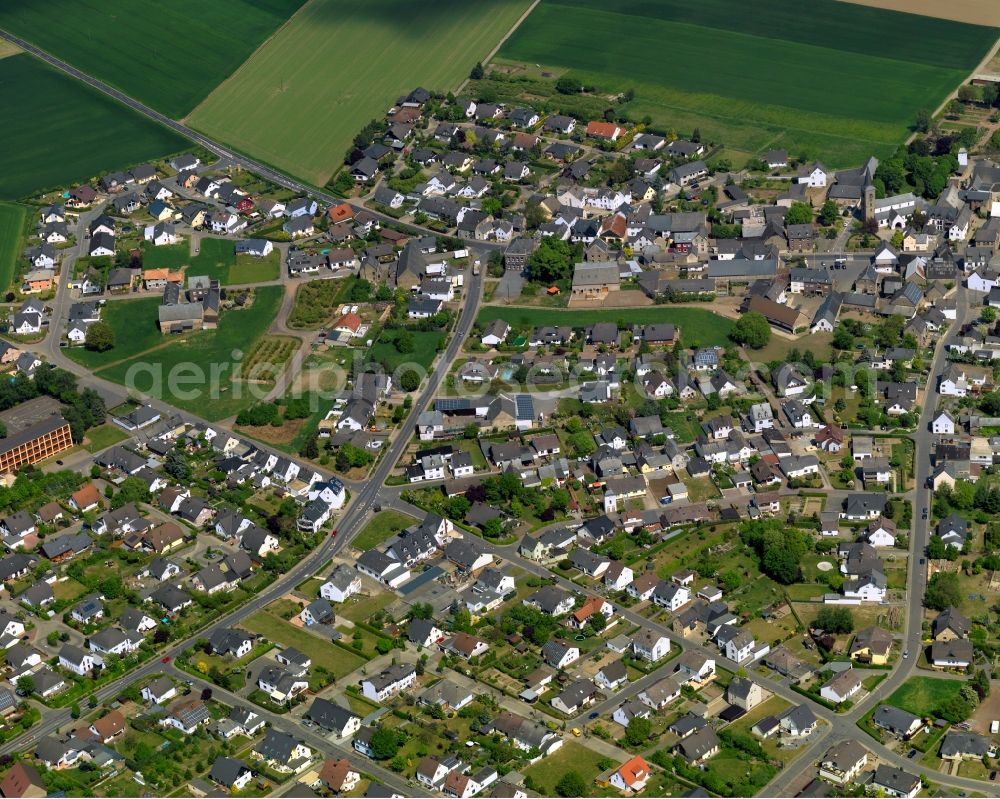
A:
(490, 55)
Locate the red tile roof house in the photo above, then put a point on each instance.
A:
(340, 213)
(631, 775)
(604, 130)
(349, 323)
(86, 498)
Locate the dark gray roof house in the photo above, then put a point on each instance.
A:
(227, 770)
(331, 716)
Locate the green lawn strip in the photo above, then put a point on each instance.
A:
(206, 350)
(336, 660)
(698, 327)
(58, 131)
(214, 259)
(382, 526)
(188, 47)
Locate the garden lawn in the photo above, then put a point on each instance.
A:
(382, 526)
(425, 347)
(698, 327)
(684, 424)
(923, 695)
(169, 256)
(168, 55)
(135, 325)
(214, 259)
(792, 50)
(361, 608)
(100, 438)
(571, 756)
(335, 659)
(283, 107)
(57, 131)
(251, 269)
(205, 358)
(12, 219)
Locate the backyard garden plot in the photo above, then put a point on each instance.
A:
(268, 357)
(316, 302)
(832, 80)
(302, 97)
(168, 55)
(58, 131)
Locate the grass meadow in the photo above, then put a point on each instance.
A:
(299, 101)
(58, 131)
(838, 83)
(168, 55)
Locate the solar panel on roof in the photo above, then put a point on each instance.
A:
(525, 406)
(451, 404)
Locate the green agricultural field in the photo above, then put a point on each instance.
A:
(839, 82)
(300, 100)
(134, 323)
(698, 327)
(179, 51)
(12, 219)
(57, 131)
(206, 350)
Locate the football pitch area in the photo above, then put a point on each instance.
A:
(299, 101)
(826, 79)
(167, 55)
(57, 131)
